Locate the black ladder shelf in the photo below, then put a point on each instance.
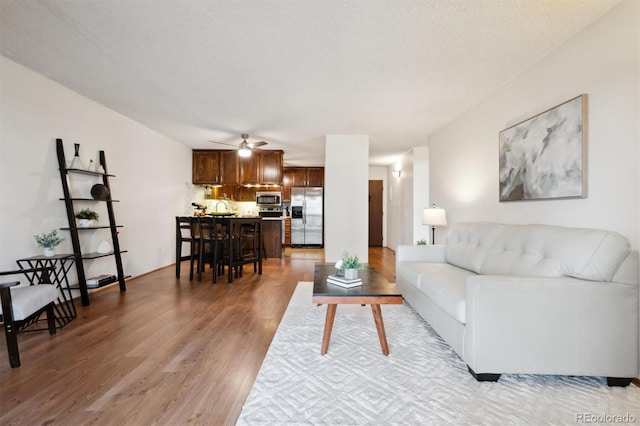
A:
(73, 228)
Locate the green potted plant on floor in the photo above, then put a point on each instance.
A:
(48, 242)
(86, 217)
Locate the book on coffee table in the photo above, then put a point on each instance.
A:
(344, 282)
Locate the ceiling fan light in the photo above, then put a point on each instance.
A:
(244, 152)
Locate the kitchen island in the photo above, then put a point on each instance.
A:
(242, 235)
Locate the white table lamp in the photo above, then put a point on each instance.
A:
(434, 216)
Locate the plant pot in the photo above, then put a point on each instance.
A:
(85, 223)
(351, 274)
(48, 252)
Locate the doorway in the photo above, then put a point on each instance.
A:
(375, 213)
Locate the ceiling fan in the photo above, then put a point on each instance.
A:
(244, 148)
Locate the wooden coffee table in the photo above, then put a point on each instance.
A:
(375, 291)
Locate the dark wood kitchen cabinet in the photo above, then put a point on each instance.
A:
(229, 167)
(225, 167)
(297, 176)
(306, 176)
(271, 167)
(315, 176)
(272, 238)
(245, 193)
(205, 167)
(248, 170)
(286, 185)
(300, 176)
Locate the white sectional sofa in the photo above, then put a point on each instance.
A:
(529, 299)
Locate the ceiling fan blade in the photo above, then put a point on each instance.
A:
(224, 143)
(256, 144)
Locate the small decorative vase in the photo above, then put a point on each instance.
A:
(351, 274)
(104, 247)
(92, 166)
(100, 169)
(48, 252)
(85, 223)
(76, 163)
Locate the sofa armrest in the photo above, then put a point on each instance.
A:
(427, 253)
(558, 325)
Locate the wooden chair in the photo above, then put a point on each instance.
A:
(214, 244)
(23, 306)
(187, 232)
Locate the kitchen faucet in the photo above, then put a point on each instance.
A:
(226, 206)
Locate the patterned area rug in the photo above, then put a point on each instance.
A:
(421, 382)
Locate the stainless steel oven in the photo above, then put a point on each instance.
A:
(268, 199)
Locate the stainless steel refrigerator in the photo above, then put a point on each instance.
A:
(306, 217)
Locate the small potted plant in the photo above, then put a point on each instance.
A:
(48, 242)
(86, 217)
(421, 242)
(350, 265)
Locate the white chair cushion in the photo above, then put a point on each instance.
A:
(26, 300)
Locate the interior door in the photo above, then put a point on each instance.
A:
(375, 213)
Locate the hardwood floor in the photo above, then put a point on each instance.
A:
(166, 352)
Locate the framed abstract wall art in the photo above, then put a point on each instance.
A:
(545, 156)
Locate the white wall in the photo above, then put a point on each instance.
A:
(400, 219)
(380, 173)
(601, 61)
(346, 196)
(420, 192)
(153, 173)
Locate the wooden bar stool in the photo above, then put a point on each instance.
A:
(187, 232)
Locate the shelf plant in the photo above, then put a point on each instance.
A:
(86, 216)
(48, 242)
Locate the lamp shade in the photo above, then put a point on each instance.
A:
(434, 216)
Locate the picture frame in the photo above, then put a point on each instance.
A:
(545, 157)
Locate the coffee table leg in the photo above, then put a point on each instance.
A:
(377, 317)
(328, 326)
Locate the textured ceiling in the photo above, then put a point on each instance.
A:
(289, 71)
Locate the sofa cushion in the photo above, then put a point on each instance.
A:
(446, 285)
(410, 272)
(554, 251)
(468, 244)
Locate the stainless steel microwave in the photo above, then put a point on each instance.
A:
(269, 198)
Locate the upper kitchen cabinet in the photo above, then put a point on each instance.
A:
(286, 184)
(271, 167)
(248, 167)
(225, 167)
(305, 176)
(229, 167)
(297, 176)
(206, 167)
(315, 176)
(300, 176)
(263, 167)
